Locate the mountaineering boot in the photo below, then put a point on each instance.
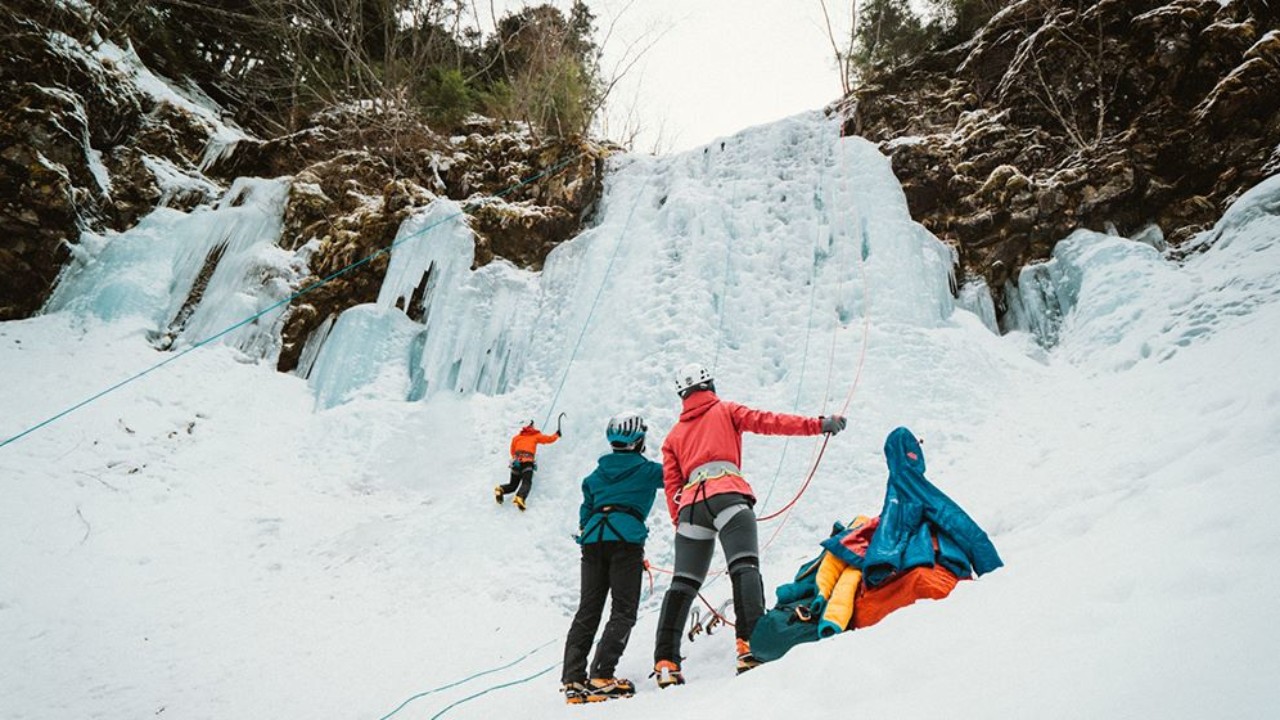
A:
(609, 689)
(575, 693)
(667, 673)
(497, 494)
(746, 660)
(520, 503)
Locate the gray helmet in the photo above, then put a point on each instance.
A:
(691, 376)
(625, 431)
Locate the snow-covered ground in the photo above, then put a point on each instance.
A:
(217, 540)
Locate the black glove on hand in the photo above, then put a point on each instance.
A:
(832, 425)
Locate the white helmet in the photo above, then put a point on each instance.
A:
(692, 375)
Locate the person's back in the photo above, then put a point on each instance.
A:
(616, 498)
(705, 447)
(708, 497)
(524, 451)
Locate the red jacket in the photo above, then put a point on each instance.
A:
(710, 429)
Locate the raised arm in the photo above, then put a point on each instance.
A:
(763, 422)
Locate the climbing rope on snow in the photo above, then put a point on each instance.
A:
(554, 169)
(486, 691)
(464, 680)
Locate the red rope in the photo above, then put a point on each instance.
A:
(805, 486)
(857, 378)
(715, 613)
(784, 511)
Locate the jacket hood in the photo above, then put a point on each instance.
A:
(697, 404)
(529, 430)
(619, 465)
(903, 452)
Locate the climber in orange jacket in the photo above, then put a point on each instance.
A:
(524, 448)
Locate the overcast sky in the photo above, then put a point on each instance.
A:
(719, 65)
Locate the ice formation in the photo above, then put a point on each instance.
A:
(191, 275)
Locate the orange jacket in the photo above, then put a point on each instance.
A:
(524, 446)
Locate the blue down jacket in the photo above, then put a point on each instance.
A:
(617, 497)
(911, 505)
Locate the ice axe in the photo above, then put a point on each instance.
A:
(558, 421)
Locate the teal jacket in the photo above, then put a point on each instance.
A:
(617, 497)
(913, 506)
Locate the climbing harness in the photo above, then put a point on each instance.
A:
(603, 523)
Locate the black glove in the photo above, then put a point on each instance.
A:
(832, 425)
(557, 433)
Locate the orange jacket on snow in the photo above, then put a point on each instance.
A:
(524, 446)
(710, 430)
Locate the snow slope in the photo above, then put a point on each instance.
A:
(217, 540)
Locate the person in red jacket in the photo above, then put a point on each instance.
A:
(524, 448)
(708, 496)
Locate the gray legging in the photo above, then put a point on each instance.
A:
(730, 517)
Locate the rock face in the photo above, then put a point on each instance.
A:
(1061, 114)
(90, 140)
(77, 143)
(522, 198)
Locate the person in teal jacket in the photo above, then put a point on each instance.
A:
(616, 498)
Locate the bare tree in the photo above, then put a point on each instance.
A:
(1084, 68)
(843, 54)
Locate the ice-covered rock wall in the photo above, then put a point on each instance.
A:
(787, 227)
(736, 255)
(469, 331)
(1091, 290)
(192, 276)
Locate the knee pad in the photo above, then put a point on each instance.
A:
(743, 565)
(685, 586)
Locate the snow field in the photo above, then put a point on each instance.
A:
(330, 550)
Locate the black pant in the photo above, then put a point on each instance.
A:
(608, 568)
(521, 478)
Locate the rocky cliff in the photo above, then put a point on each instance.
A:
(92, 140)
(1058, 114)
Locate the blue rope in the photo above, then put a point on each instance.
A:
(600, 291)
(724, 293)
(486, 691)
(795, 406)
(469, 678)
(554, 169)
(804, 361)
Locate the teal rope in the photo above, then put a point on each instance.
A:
(469, 678)
(795, 406)
(590, 313)
(724, 294)
(486, 691)
(554, 169)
